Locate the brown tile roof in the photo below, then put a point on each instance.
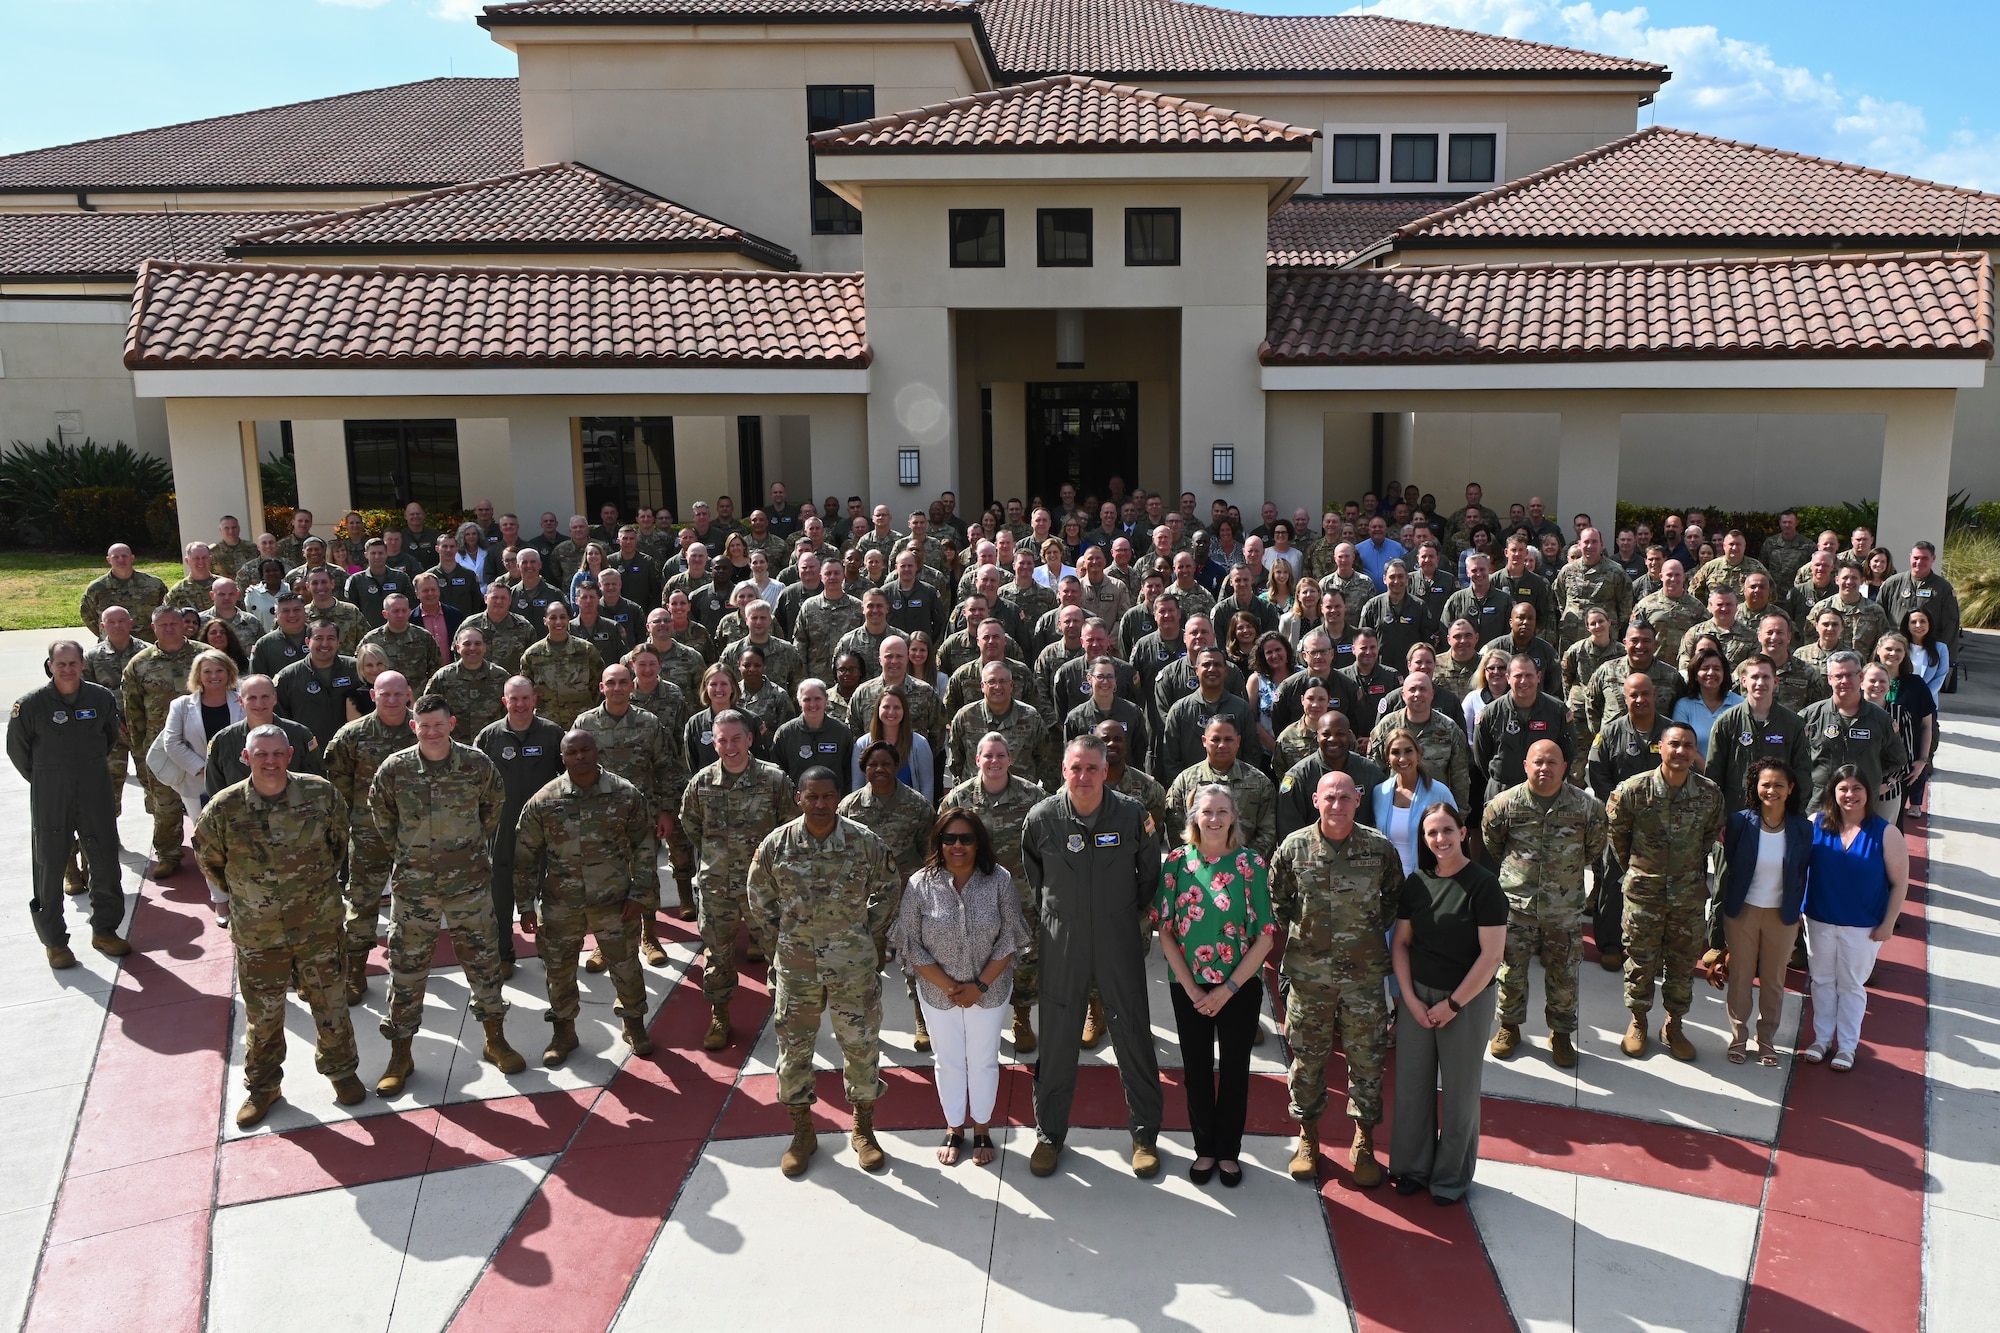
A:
(1885, 305)
(187, 316)
(108, 247)
(1140, 39)
(547, 12)
(412, 135)
(1064, 113)
(1679, 187)
(562, 206)
(1328, 231)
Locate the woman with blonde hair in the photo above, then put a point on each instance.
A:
(179, 754)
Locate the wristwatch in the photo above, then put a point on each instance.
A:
(982, 985)
(1456, 1007)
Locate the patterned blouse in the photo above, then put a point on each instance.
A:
(1216, 908)
(960, 932)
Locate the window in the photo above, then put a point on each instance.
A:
(1413, 157)
(629, 462)
(1152, 236)
(1472, 157)
(829, 106)
(1063, 237)
(1357, 157)
(978, 238)
(392, 463)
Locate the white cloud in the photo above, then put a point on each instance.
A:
(458, 10)
(1734, 88)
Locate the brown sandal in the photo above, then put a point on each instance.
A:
(1737, 1054)
(1767, 1057)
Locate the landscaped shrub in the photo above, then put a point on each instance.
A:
(94, 517)
(33, 477)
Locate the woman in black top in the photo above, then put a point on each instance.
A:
(1451, 929)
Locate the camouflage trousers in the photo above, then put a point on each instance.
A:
(855, 1004)
(75, 875)
(416, 919)
(1028, 962)
(368, 863)
(561, 942)
(1359, 1012)
(680, 853)
(1559, 940)
(1664, 934)
(264, 976)
(163, 803)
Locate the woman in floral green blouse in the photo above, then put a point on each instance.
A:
(1214, 915)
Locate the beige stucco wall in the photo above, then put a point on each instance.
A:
(60, 356)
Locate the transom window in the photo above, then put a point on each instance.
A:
(829, 106)
(1062, 237)
(978, 238)
(1152, 236)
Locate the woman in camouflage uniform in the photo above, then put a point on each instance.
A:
(900, 816)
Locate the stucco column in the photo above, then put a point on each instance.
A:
(1295, 452)
(1587, 467)
(837, 435)
(1222, 402)
(543, 476)
(1010, 439)
(320, 450)
(205, 443)
(252, 517)
(485, 464)
(1916, 469)
(912, 397)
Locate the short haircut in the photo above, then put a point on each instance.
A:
(431, 703)
(817, 773)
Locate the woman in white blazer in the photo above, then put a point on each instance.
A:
(179, 754)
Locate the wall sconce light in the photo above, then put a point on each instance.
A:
(1224, 471)
(909, 467)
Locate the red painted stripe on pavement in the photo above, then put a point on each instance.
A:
(1613, 1147)
(1409, 1266)
(342, 1153)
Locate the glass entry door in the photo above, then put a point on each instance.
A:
(629, 462)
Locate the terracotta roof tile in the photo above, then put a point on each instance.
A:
(1063, 113)
(1326, 232)
(110, 246)
(268, 315)
(564, 205)
(1136, 39)
(411, 135)
(1675, 185)
(1885, 305)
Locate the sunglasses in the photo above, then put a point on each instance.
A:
(958, 840)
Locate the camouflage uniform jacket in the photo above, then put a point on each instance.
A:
(821, 907)
(1719, 573)
(1442, 742)
(931, 554)
(1799, 684)
(344, 614)
(1579, 664)
(194, 592)
(682, 665)
(667, 703)
(784, 665)
(1860, 624)
(638, 748)
(565, 676)
(1002, 812)
(821, 625)
(1029, 741)
(724, 816)
(138, 594)
(1663, 834)
(248, 626)
(1194, 601)
(505, 641)
(1048, 662)
(921, 708)
(353, 757)
(902, 820)
(228, 557)
(106, 665)
(886, 543)
(475, 696)
(1543, 846)
(963, 686)
(1604, 697)
(414, 652)
(153, 679)
(438, 818)
(1143, 788)
(866, 644)
(1356, 590)
(278, 858)
(1032, 602)
(1670, 617)
(1738, 642)
(1337, 902)
(771, 706)
(1460, 678)
(1256, 803)
(1785, 556)
(587, 846)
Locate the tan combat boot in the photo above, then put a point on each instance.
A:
(347, 1090)
(357, 978)
(868, 1154)
(166, 867)
(649, 942)
(684, 886)
(1677, 1041)
(1561, 1050)
(503, 1057)
(717, 1036)
(1043, 1161)
(255, 1107)
(1145, 1160)
(923, 1032)
(753, 954)
(1634, 1044)
(60, 957)
(1093, 1024)
(1305, 1153)
(594, 960)
(636, 1036)
(1506, 1041)
(1367, 1171)
(110, 945)
(1024, 1029)
(401, 1068)
(506, 969)
(805, 1142)
(562, 1040)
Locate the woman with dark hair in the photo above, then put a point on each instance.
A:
(890, 726)
(903, 820)
(1879, 566)
(1711, 695)
(959, 931)
(221, 636)
(1239, 641)
(1072, 539)
(1914, 710)
(1271, 664)
(1856, 879)
(1930, 658)
(1763, 877)
(923, 659)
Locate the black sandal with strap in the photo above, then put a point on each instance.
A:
(954, 1139)
(983, 1141)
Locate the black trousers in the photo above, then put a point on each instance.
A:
(1218, 1100)
(1607, 917)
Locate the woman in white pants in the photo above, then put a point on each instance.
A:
(1856, 879)
(179, 754)
(959, 932)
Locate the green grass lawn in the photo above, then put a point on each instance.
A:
(40, 589)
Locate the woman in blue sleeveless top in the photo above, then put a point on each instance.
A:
(1856, 879)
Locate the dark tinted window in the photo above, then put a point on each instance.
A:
(1152, 236)
(829, 106)
(978, 238)
(1413, 157)
(1357, 157)
(391, 463)
(1472, 157)
(1063, 239)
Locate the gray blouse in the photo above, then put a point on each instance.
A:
(960, 933)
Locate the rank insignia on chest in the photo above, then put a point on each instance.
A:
(1076, 842)
(1107, 840)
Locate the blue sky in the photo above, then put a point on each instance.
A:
(1894, 86)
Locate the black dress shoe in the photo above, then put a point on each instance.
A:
(1200, 1174)
(1230, 1179)
(1406, 1185)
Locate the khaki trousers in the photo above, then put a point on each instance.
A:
(1760, 946)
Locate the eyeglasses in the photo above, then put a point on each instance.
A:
(958, 839)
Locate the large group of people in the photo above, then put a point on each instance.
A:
(1356, 772)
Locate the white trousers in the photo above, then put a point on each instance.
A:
(965, 1044)
(1842, 957)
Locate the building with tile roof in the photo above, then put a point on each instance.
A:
(894, 247)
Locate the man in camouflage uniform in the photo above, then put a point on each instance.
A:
(586, 843)
(922, 712)
(1787, 552)
(1440, 738)
(821, 889)
(1862, 622)
(565, 670)
(1670, 611)
(1544, 833)
(274, 844)
(998, 711)
(1002, 798)
(507, 634)
(968, 678)
(1592, 580)
(1738, 639)
(437, 807)
(197, 588)
(321, 604)
(127, 586)
(1604, 696)
(726, 810)
(411, 651)
(352, 758)
(1335, 885)
(155, 677)
(105, 665)
(1256, 798)
(633, 744)
(1663, 824)
(528, 752)
(1729, 570)
(471, 686)
(232, 552)
(825, 620)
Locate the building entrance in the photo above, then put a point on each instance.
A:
(629, 462)
(1083, 433)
